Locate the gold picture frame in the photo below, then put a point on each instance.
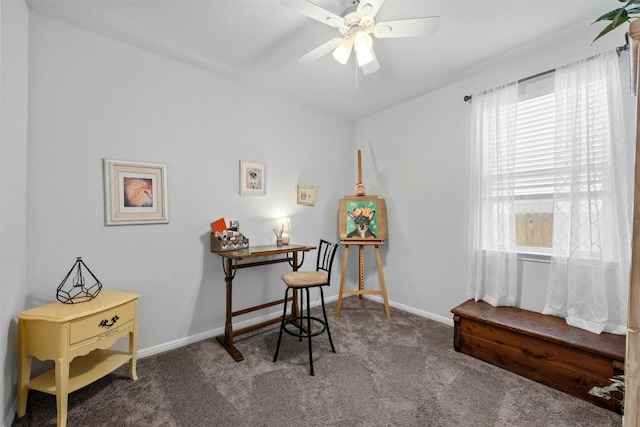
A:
(135, 192)
(306, 195)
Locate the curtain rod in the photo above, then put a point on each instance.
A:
(619, 50)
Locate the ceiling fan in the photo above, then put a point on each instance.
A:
(356, 24)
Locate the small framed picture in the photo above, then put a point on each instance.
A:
(135, 192)
(306, 195)
(253, 178)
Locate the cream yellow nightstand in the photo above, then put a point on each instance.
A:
(77, 338)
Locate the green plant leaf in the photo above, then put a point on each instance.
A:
(607, 29)
(622, 16)
(609, 16)
(618, 18)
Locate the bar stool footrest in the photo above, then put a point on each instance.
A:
(303, 334)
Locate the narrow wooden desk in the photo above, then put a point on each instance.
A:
(231, 263)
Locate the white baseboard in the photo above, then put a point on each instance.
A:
(11, 415)
(441, 319)
(181, 342)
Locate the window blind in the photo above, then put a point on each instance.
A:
(538, 157)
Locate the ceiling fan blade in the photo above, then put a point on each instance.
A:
(369, 8)
(407, 27)
(371, 67)
(313, 11)
(320, 50)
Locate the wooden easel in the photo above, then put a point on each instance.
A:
(375, 241)
(361, 290)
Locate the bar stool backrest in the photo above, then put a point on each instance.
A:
(326, 254)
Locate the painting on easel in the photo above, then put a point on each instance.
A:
(363, 220)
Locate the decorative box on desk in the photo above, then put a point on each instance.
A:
(78, 338)
(231, 244)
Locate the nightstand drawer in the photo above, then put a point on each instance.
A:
(100, 323)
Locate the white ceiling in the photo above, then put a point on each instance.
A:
(258, 42)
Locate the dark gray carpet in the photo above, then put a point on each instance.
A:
(398, 372)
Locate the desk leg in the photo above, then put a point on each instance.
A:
(227, 339)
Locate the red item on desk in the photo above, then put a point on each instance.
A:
(219, 225)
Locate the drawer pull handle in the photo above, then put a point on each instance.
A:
(105, 323)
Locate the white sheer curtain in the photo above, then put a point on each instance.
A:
(493, 263)
(591, 224)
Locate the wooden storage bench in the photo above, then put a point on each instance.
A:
(542, 348)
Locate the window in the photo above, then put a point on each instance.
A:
(556, 167)
(538, 161)
(534, 164)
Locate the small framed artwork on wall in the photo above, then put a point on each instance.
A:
(253, 178)
(135, 192)
(306, 195)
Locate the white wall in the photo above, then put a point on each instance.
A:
(13, 157)
(416, 156)
(91, 98)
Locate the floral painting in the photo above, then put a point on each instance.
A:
(135, 192)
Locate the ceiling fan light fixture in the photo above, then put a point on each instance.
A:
(362, 44)
(343, 51)
(364, 57)
(371, 67)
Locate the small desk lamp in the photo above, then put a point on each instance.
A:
(283, 225)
